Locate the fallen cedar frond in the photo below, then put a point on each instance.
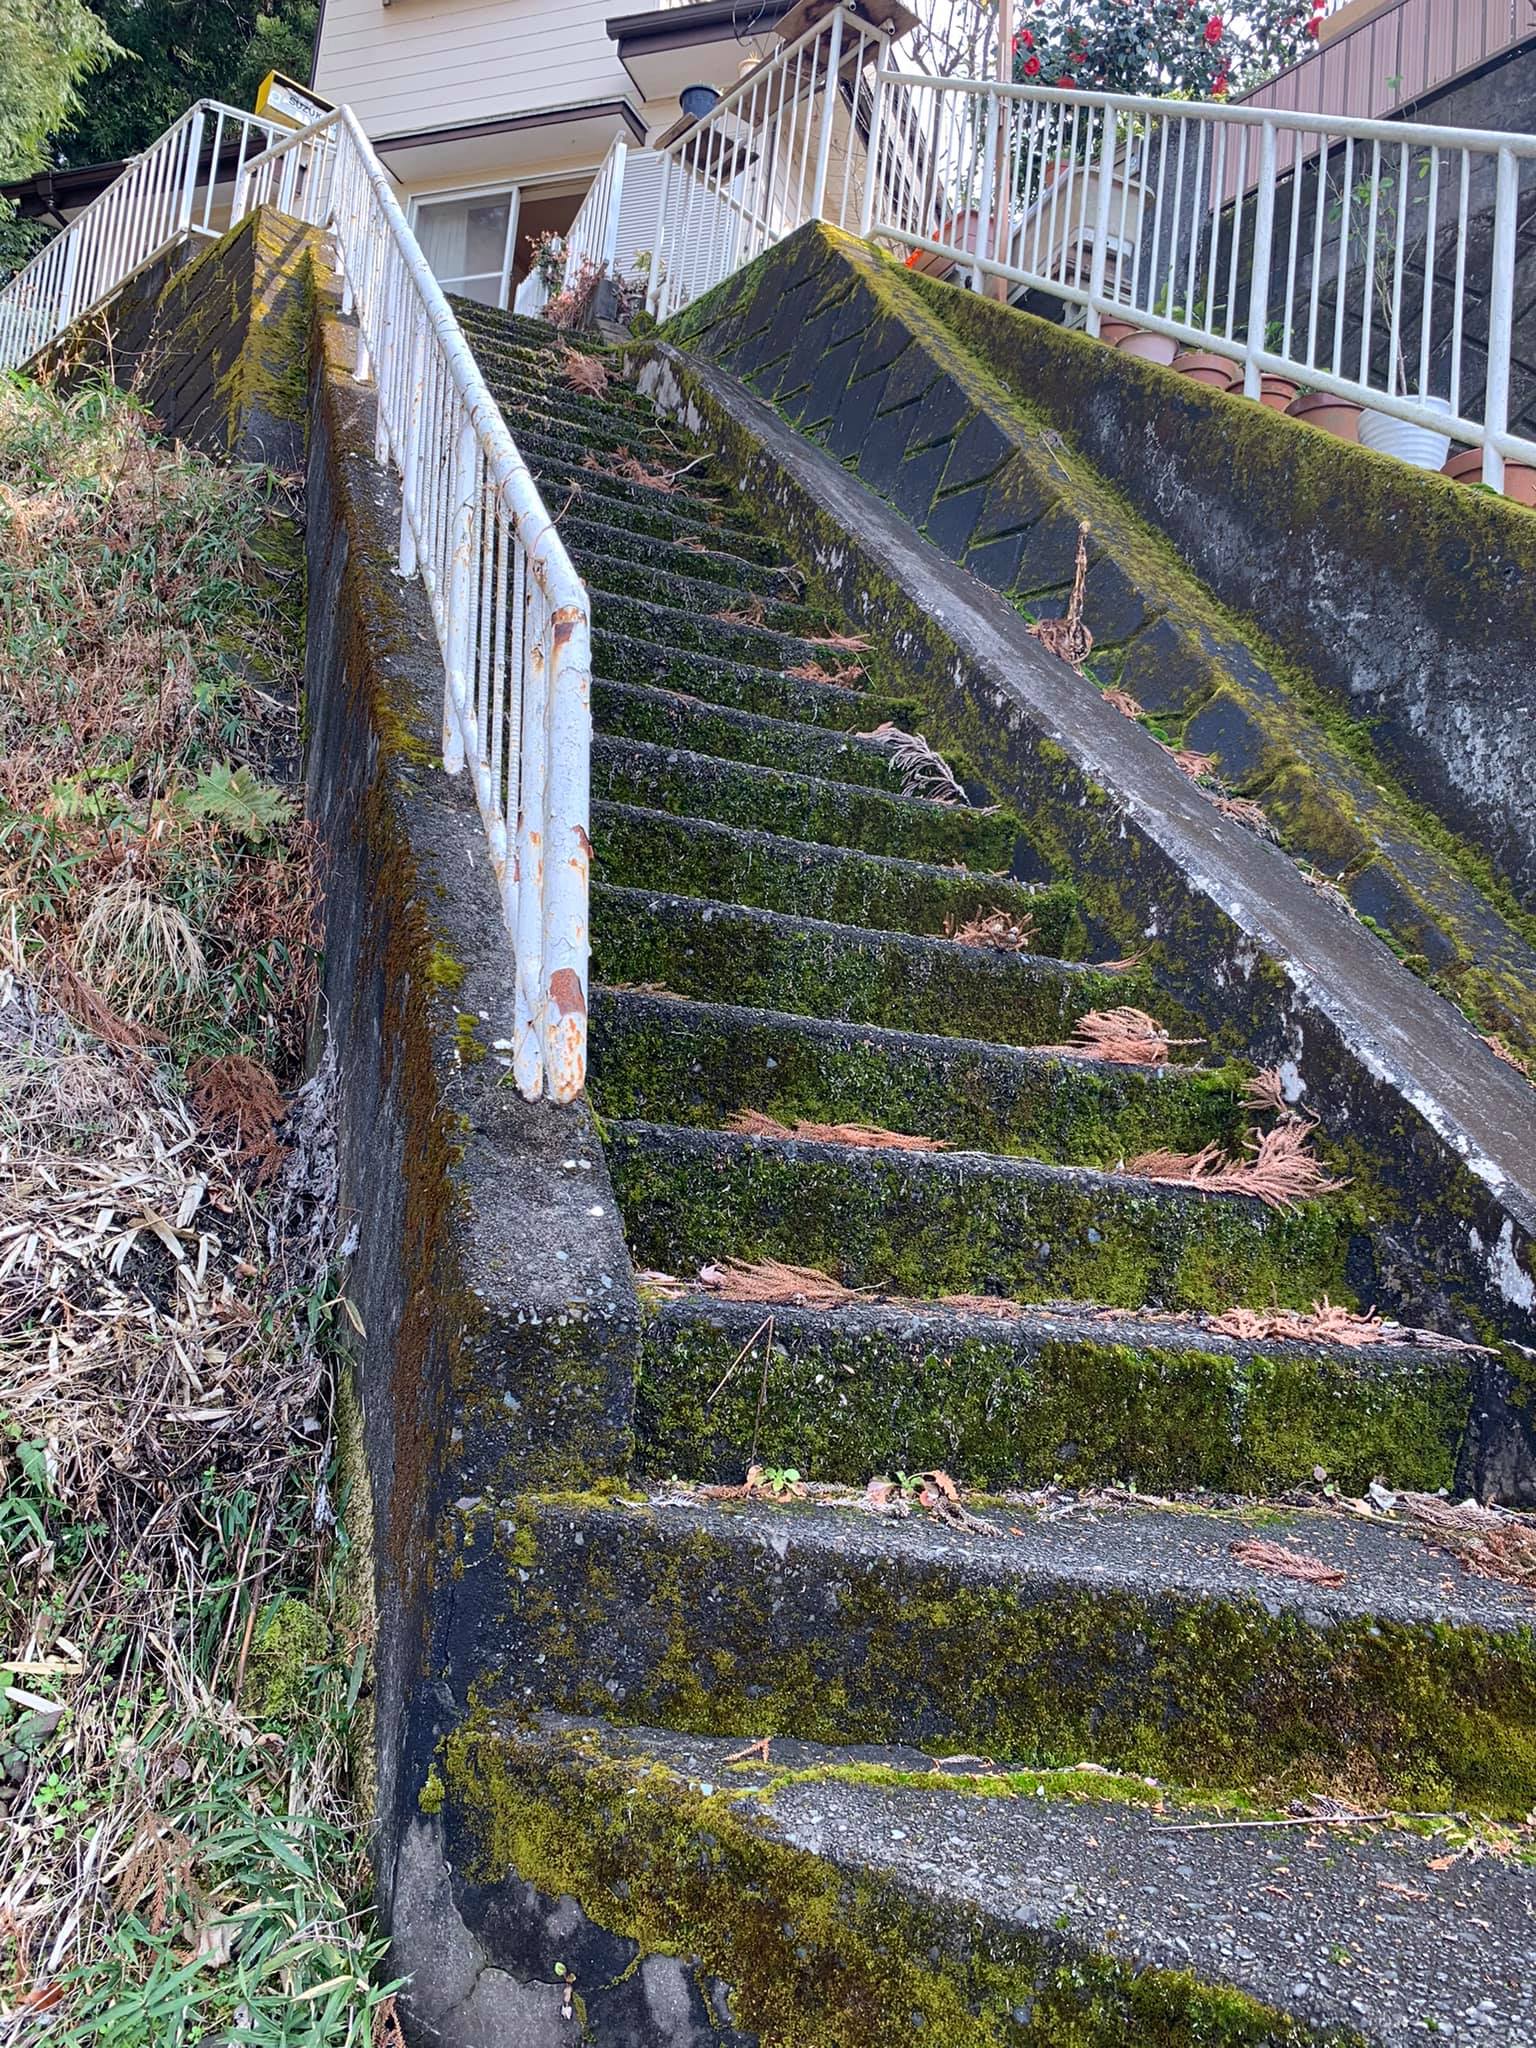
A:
(845, 643)
(1326, 886)
(1068, 637)
(1118, 966)
(1123, 702)
(1195, 766)
(770, 1281)
(844, 678)
(1327, 1323)
(239, 1101)
(1243, 811)
(1491, 1542)
(1506, 1053)
(1286, 1564)
(923, 770)
(753, 1124)
(1125, 1036)
(1266, 1090)
(1281, 1174)
(752, 613)
(1000, 931)
(584, 373)
(631, 470)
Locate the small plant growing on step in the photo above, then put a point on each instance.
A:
(775, 1482)
(567, 1977)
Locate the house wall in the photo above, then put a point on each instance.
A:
(423, 64)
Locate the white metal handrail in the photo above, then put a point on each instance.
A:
(593, 236)
(512, 616)
(177, 189)
(1367, 272)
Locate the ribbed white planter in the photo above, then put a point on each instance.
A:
(1421, 446)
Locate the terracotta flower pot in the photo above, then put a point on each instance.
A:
(1116, 332)
(1149, 348)
(1466, 466)
(1337, 416)
(1202, 366)
(1276, 392)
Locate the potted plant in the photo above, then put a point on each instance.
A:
(1422, 446)
(1337, 416)
(1204, 366)
(1466, 467)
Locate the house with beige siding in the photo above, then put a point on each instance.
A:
(502, 118)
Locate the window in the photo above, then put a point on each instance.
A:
(467, 239)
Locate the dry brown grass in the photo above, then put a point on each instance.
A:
(869, 1137)
(844, 643)
(752, 613)
(630, 469)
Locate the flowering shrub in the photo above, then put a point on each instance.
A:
(1160, 47)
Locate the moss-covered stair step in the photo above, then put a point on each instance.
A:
(671, 718)
(673, 1061)
(1127, 1636)
(540, 415)
(565, 480)
(518, 377)
(733, 566)
(628, 658)
(560, 455)
(926, 1224)
(633, 846)
(799, 806)
(644, 576)
(1091, 1399)
(841, 1898)
(728, 952)
(635, 522)
(676, 625)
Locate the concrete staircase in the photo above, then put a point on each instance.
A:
(1051, 1765)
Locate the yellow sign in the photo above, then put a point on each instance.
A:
(290, 105)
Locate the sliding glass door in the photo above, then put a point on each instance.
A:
(468, 239)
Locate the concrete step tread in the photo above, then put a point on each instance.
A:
(640, 658)
(934, 1223)
(649, 580)
(779, 872)
(683, 1060)
(782, 960)
(745, 565)
(818, 808)
(641, 710)
(1336, 1934)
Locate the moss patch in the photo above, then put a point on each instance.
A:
(844, 1400)
(687, 1623)
(815, 1958)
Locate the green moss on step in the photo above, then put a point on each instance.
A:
(844, 1402)
(654, 1620)
(814, 1957)
(918, 1227)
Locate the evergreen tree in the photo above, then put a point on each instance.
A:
(178, 51)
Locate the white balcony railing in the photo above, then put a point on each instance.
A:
(179, 188)
(1382, 270)
(512, 616)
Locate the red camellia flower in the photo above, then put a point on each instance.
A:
(1219, 85)
(1066, 83)
(1213, 29)
(1031, 67)
(1027, 39)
